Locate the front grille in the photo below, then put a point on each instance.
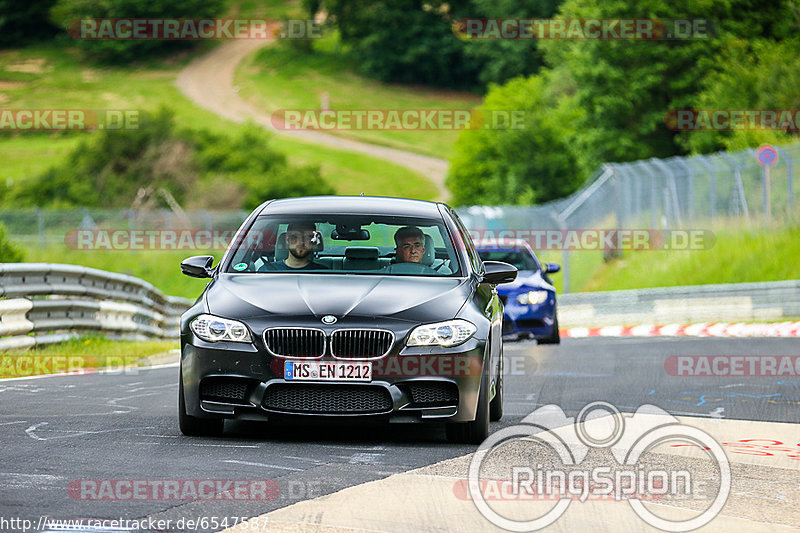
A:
(358, 343)
(228, 390)
(327, 399)
(295, 342)
(433, 394)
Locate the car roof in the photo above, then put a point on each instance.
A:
(366, 205)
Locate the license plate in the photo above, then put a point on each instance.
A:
(327, 371)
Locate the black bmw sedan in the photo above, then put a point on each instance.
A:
(342, 306)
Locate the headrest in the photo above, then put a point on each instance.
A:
(430, 251)
(361, 252)
(281, 248)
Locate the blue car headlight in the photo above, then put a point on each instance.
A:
(532, 297)
(212, 328)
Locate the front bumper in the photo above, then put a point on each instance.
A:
(537, 320)
(242, 381)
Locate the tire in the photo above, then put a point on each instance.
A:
(193, 426)
(496, 405)
(476, 431)
(555, 338)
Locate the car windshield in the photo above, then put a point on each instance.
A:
(350, 244)
(519, 258)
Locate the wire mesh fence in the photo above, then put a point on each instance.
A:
(656, 199)
(647, 196)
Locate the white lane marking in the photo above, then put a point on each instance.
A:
(71, 432)
(9, 423)
(365, 458)
(302, 459)
(182, 443)
(362, 448)
(30, 431)
(264, 465)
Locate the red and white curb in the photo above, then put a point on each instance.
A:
(714, 329)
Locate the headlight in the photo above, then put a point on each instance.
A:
(449, 333)
(213, 328)
(532, 297)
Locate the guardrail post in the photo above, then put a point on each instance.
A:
(737, 175)
(653, 204)
(712, 193)
(564, 252)
(789, 179)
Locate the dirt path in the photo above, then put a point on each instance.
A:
(208, 82)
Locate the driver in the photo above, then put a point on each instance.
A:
(301, 239)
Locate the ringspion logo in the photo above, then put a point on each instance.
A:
(630, 478)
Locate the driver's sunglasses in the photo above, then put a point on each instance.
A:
(409, 245)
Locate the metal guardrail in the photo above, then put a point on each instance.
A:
(44, 303)
(738, 302)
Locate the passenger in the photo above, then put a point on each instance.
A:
(409, 252)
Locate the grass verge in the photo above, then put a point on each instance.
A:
(87, 354)
(740, 254)
(280, 76)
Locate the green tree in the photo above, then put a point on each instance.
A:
(499, 59)
(533, 163)
(406, 41)
(627, 87)
(65, 12)
(25, 21)
(761, 74)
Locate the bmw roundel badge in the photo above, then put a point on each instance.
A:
(329, 319)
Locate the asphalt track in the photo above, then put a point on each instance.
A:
(57, 430)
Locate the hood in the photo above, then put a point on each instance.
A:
(525, 279)
(401, 297)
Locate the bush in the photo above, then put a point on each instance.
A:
(197, 167)
(9, 252)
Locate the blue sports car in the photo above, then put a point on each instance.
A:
(530, 300)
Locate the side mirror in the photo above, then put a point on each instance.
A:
(551, 268)
(198, 266)
(496, 272)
